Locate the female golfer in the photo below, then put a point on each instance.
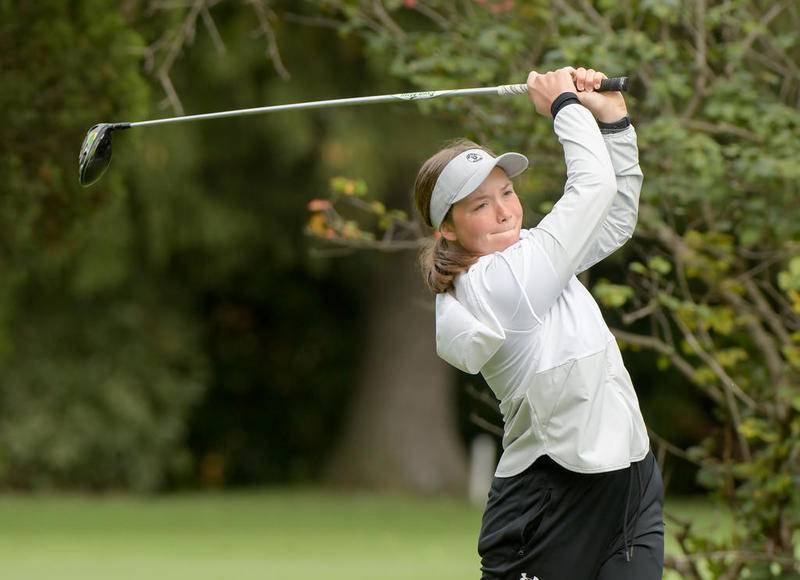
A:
(577, 487)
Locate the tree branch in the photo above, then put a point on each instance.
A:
(629, 318)
(213, 32)
(701, 65)
(723, 128)
(263, 14)
(684, 367)
(791, 319)
(595, 16)
(485, 425)
(757, 31)
(672, 448)
(483, 397)
(388, 21)
(729, 385)
(762, 306)
(762, 339)
(426, 10)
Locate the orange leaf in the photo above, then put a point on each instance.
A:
(317, 224)
(319, 205)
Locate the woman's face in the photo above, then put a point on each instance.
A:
(488, 219)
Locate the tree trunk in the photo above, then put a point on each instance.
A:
(401, 429)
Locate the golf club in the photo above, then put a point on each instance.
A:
(95, 154)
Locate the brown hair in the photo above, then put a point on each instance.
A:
(440, 260)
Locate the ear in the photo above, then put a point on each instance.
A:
(448, 232)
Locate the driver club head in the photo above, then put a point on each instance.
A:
(95, 154)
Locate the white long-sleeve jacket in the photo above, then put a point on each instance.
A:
(523, 320)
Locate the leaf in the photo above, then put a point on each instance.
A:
(704, 376)
(317, 224)
(792, 354)
(722, 321)
(730, 357)
(710, 477)
(612, 295)
(637, 267)
(659, 264)
(750, 237)
(338, 184)
(789, 279)
(319, 205)
(750, 428)
(359, 188)
(351, 230)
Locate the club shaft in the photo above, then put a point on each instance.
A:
(619, 83)
(322, 104)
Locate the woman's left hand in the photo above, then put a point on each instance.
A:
(607, 107)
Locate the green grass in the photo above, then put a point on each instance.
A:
(270, 534)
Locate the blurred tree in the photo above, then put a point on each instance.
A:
(715, 290)
(85, 400)
(254, 191)
(175, 298)
(401, 428)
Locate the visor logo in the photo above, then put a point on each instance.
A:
(474, 157)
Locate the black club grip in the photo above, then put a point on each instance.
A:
(614, 84)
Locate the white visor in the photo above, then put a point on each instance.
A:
(465, 173)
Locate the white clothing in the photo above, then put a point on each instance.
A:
(523, 320)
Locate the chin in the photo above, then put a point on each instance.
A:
(503, 240)
(512, 233)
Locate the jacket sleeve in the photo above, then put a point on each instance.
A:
(621, 220)
(463, 340)
(521, 283)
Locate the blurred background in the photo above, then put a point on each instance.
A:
(197, 382)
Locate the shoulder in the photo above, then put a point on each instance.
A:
(499, 261)
(495, 281)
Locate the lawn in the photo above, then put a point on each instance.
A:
(280, 534)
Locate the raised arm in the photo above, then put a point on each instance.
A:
(518, 285)
(513, 289)
(621, 219)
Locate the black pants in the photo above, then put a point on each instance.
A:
(554, 524)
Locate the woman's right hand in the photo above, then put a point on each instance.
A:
(543, 88)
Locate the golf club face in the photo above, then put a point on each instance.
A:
(95, 153)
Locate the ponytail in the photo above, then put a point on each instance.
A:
(441, 261)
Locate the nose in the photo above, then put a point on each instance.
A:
(503, 212)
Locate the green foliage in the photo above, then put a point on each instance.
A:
(48, 108)
(168, 317)
(98, 377)
(612, 295)
(326, 221)
(101, 404)
(215, 214)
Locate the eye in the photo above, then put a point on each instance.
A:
(509, 192)
(481, 205)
